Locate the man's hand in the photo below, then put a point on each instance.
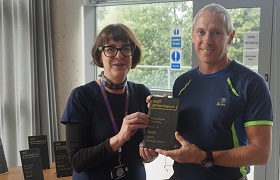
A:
(187, 153)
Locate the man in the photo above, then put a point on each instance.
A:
(225, 117)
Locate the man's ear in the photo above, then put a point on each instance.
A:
(192, 38)
(231, 36)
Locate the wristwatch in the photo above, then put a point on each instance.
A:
(208, 162)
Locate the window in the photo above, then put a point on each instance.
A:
(249, 24)
(152, 24)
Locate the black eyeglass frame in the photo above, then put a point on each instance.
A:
(133, 47)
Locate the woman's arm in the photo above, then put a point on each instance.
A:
(81, 153)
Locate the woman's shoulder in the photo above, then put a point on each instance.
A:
(91, 88)
(137, 87)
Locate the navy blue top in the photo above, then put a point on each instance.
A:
(90, 126)
(214, 111)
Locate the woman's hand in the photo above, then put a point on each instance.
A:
(131, 123)
(148, 155)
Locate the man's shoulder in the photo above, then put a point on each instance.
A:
(186, 75)
(244, 72)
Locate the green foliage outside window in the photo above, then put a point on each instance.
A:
(244, 20)
(152, 24)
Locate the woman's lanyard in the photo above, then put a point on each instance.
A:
(109, 109)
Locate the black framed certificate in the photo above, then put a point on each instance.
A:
(31, 164)
(62, 163)
(41, 143)
(163, 113)
(3, 162)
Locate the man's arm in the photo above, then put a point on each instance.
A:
(257, 152)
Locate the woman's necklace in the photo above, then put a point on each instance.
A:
(109, 84)
(109, 109)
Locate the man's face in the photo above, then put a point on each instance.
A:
(210, 37)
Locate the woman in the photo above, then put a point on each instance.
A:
(105, 118)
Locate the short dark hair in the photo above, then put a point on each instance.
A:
(116, 32)
(216, 8)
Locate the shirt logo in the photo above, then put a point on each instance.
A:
(221, 102)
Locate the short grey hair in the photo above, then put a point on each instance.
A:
(216, 8)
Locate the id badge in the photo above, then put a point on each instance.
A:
(119, 171)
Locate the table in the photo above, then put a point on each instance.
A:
(16, 173)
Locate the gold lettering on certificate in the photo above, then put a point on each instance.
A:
(157, 105)
(157, 101)
(150, 140)
(151, 137)
(153, 127)
(151, 132)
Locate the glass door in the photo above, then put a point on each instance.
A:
(252, 48)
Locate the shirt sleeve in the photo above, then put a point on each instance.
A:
(77, 107)
(259, 106)
(81, 155)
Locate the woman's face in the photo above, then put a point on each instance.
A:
(116, 67)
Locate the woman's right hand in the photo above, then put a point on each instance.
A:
(131, 123)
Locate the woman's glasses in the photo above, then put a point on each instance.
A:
(111, 51)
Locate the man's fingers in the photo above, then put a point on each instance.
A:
(180, 139)
(163, 152)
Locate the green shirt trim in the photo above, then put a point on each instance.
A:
(259, 122)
